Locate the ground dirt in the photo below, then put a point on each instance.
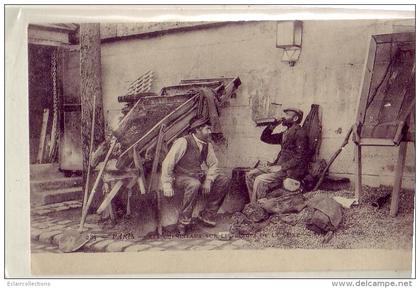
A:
(363, 226)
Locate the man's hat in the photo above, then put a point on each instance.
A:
(298, 112)
(199, 121)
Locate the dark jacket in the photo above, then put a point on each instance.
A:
(294, 148)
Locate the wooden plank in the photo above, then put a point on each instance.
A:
(153, 132)
(148, 149)
(111, 213)
(201, 80)
(138, 163)
(41, 147)
(51, 38)
(153, 178)
(366, 81)
(85, 208)
(376, 142)
(403, 76)
(358, 173)
(405, 120)
(174, 129)
(383, 64)
(130, 192)
(132, 182)
(148, 102)
(135, 97)
(108, 177)
(108, 197)
(141, 119)
(163, 100)
(389, 86)
(183, 88)
(153, 184)
(105, 191)
(395, 196)
(395, 37)
(90, 88)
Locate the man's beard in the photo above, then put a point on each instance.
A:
(203, 137)
(287, 122)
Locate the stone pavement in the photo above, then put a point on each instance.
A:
(48, 226)
(56, 207)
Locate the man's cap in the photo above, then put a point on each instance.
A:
(200, 121)
(297, 111)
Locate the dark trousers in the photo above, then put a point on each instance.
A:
(192, 187)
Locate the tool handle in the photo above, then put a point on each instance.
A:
(85, 208)
(153, 185)
(335, 155)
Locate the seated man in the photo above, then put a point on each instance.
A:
(291, 162)
(183, 169)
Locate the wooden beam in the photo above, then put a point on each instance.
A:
(395, 198)
(395, 37)
(109, 196)
(85, 208)
(154, 181)
(183, 88)
(120, 35)
(173, 130)
(366, 81)
(90, 88)
(42, 136)
(154, 131)
(358, 173)
(141, 180)
(376, 142)
(200, 80)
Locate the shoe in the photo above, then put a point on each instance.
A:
(182, 229)
(208, 221)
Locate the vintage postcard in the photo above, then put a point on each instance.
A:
(269, 139)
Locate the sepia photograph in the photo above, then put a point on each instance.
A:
(235, 135)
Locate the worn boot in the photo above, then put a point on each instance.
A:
(208, 219)
(182, 229)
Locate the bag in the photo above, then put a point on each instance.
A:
(283, 201)
(325, 215)
(254, 212)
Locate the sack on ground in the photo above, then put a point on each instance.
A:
(325, 214)
(255, 212)
(283, 201)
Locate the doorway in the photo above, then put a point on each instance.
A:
(43, 104)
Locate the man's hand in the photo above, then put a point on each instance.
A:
(274, 169)
(206, 187)
(276, 123)
(168, 192)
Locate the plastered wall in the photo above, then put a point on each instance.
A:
(328, 73)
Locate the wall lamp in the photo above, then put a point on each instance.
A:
(289, 38)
